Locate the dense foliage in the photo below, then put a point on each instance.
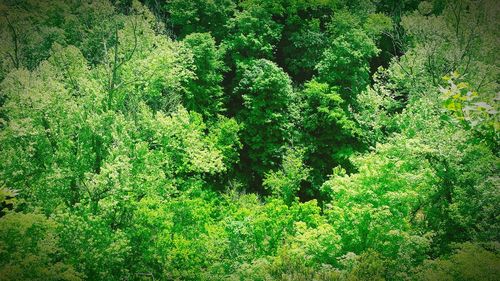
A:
(249, 140)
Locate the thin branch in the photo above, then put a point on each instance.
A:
(15, 58)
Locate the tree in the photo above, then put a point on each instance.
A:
(413, 191)
(252, 35)
(471, 261)
(267, 95)
(329, 133)
(346, 62)
(29, 245)
(205, 91)
(198, 16)
(285, 183)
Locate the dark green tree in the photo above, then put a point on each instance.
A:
(267, 95)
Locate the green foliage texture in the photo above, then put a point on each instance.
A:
(249, 140)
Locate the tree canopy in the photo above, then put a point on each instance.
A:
(249, 140)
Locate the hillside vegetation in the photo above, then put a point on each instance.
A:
(249, 140)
